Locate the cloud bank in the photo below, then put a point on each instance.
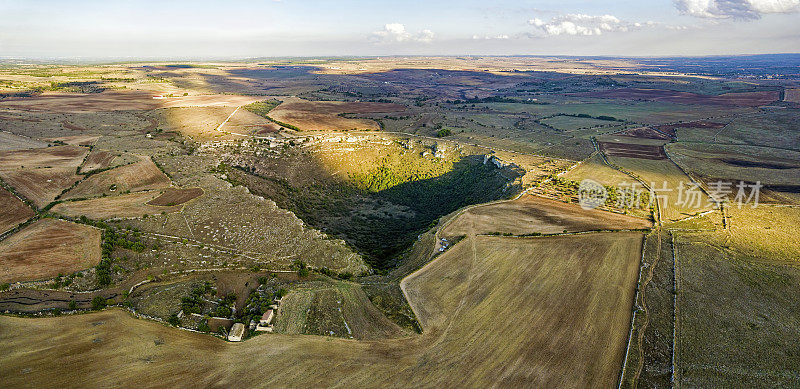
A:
(735, 9)
(582, 24)
(396, 32)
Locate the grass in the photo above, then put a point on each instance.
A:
(649, 362)
(333, 308)
(381, 203)
(596, 169)
(736, 316)
(771, 129)
(735, 163)
(571, 123)
(664, 173)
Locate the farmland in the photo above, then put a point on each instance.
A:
(596, 169)
(41, 186)
(97, 160)
(176, 196)
(139, 176)
(493, 278)
(46, 248)
(664, 174)
(735, 99)
(128, 205)
(531, 214)
(410, 221)
(776, 169)
(50, 157)
(323, 115)
(9, 141)
(14, 211)
(755, 278)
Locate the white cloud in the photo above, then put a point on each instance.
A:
(581, 24)
(396, 32)
(487, 37)
(736, 9)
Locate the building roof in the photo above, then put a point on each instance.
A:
(267, 316)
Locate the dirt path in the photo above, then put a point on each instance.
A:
(646, 319)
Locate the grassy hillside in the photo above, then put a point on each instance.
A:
(382, 204)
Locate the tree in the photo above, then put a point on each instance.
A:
(303, 272)
(73, 305)
(98, 303)
(203, 326)
(174, 320)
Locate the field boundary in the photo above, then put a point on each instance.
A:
(639, 291)
(676, 318)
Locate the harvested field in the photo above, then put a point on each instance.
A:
(212, 100)
(47, 248)
(97, 159)
(176, 196)
(670, 128)
(559, 291)
(128, 100)
(245, 122)
(9, 141)
(78, 140)
(532, 214)
(139, 176)
(14, 211)
(40, 186)
(744, 99)
(472, 290)
(122, 206)
(73, 127)
(327, 115)
(646, 132)
(632, 150)
(196, 122)
(792, 95)
(80, 102)
(59, 156)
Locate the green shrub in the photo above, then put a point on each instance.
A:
(174, 320)
(443, 132)
(98, 303)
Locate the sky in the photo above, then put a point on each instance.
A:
(273, 28)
